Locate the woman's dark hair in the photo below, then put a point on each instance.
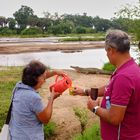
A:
(31, 72)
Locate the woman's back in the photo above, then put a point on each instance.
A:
(24, 124)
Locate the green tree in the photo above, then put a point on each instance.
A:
(56, 29)
(101, 25)
(22, 16)
(131, 12)
(32, 20)
(84, 20)
(48, 20)
(79, 20)
(11, 23)
(41, 23)
(66, 27)
(121, 23)
(3, 21)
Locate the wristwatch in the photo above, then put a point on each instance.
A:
(86, 92)
(95, 109)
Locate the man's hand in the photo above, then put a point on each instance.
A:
(78, 91)
(92, 103)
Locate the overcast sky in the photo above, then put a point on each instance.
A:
(101, 8)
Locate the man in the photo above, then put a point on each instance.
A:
(120, 108)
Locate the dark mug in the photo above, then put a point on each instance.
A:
(94, 93)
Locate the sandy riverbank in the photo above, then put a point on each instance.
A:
(12, 48)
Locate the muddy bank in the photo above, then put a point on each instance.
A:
(13, 48)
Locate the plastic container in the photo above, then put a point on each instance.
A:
(62, 84)
(108, 105)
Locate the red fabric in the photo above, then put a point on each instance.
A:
(124, 90)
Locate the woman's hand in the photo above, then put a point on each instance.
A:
(60, 73)
(54, 95)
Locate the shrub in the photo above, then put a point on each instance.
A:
(31, 31)
(61, 28)
(49, 129)
(9, 77)
(82, 115)
(7, 31)
(92, 133)
(54, 29)
(109, 67)
(80, 30)
(90, 30)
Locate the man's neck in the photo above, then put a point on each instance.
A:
(122, 59)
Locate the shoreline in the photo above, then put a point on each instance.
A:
(14, 48)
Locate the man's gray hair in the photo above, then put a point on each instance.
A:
(118, 39)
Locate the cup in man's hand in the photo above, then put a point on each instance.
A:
(94, 93)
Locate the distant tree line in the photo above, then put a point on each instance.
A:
(26, 23)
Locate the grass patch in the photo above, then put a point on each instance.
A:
(108, 67)
(49, 129)
(92, 133)
(81, 113)
(34, 36)
(9, 77)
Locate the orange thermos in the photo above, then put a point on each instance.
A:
(61, 85)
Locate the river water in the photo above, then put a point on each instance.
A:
(59, 60)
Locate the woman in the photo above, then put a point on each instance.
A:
(28, 113)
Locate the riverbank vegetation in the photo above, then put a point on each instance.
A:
(25, 23)
(9, 77)
(80, 38)
(108, 67)
(92, 133)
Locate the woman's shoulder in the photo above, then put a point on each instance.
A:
(26, 90)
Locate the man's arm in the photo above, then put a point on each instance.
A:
(86, 92)
(101, 91)
(114, 115)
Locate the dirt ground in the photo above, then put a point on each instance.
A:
(63, 115)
